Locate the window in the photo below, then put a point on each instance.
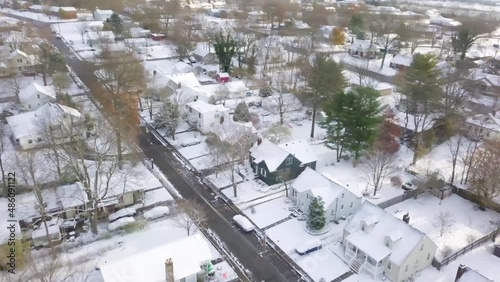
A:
(343, 195)
(387, 243)
(30, 141)
(29, 106)
(263, 172)
(199, 115)
(351, 204)
(39, 139)
(428, 256)
(388, 265)
(289, 161)
(190, 110)
(363, 227)
(416, 263)
(422, 247)
(406, 268)
(342, 207)
(38, 96)
(294, 193)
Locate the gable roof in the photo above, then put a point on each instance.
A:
(360, 44)
(301, 150)
(402, 60)
(184, 79)
(385, 224)
(318, 184)
(203, 107)
(270, 153)
(33, 89)
(187, 255)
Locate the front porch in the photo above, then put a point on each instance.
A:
(360, 261)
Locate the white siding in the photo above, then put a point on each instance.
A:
(346, 201)
(417, 260)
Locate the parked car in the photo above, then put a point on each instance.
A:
(191, 142)
(243, 223)
(308, 247)
(122, 213)
(120, 223)
(192, 60)
(58, 37)
(156, 212)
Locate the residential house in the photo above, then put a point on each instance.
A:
(54, 10)
(139, 32)
(205, 53)
(28, 128)
(401, 62)
(442, 21)
(216, 91)
(15, 40)
(175, 81)
(100, 37)
(102, 15)
(95, 26)
(35, 95)
(339, 201)
(379, 244)
(181, 260)
(362, 49)
(157, 36)
(204, 116)
(37, 8)
(18, 62)
(467, 274)
(485, 91)
(479, 127)
(67, 12)
(272, 163)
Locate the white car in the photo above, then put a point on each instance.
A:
(122, 213)
(120, 223)
(156, 212)
(243, 223)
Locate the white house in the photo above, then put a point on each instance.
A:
(102, 15)
(175, 81)
(401, 62)
(485, 126)
(379, 244)
(95, 26)
(100, 37)
(181, 260)
(35, 95)
(204, 116)
(139, 32)
(28, 128)
(338, 200)
(208, 92)
(362, 49)
(17, 62)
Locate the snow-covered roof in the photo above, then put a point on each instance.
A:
(402, 60)
(490, 79)
(27, 93)
(372, 240)
(40, 232)
(470, 275)
(203, 48)
(187, 255)
(301, 150)
(269, 152)
(360, 44)
(68, 9)
(15, 36)
(204, 107)
(54, 9)
(488, 121)
(223, 75)
(104, 12)
(72, 195)
(28, 124)
(181, 67)
(184, 79)
(319, 185)
(232, 131)
(96, 35)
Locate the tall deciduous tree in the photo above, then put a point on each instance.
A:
(225, 47)
(421, 87)
(50, 61)
(338, 36)
(168, 117)
(191, 215)
(463, 41)
(378, 166)
(316, 215)
(389, 134)
(485, 170)
(324, 80)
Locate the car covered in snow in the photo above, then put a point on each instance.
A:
(308, 247)
(122, 213)
(120, 223)
(156, 212)
(243, 223)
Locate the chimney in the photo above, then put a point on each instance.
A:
(169, 270)
(406, 218)
(259, 141)
(461, 270)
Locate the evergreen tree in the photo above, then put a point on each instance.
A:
(324, 81)
(334, 123)
(421, 86)
(241, 113)
(225, 47)
(316, 219)
(115, 24)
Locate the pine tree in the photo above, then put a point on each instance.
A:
(241, 113)
(316, 219)
(115, 24)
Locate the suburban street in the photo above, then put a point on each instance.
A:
(245, 247)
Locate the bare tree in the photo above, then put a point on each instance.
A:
(184, 35)
(14, 86)
(485, 173)
(48, 269)
(284, 177)
(278, 133)
(35, 175)
(191, 215)
(455, 144)
(378, 166)
(444, 221)
(385, 28)
(61, 82)
(82, 30)
(284, 102)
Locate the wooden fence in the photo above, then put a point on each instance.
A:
(398, 199)
(490, 236)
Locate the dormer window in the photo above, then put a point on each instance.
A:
(363, 226)
(388, 242)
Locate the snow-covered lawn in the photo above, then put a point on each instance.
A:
(251, 190)
(465, 220)
(72, 32)
(319, 264)
(194, 151)
(222, 179)
(354, 177)
(163, 51)
(372, 65)
(157, 195)
(269, 212)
